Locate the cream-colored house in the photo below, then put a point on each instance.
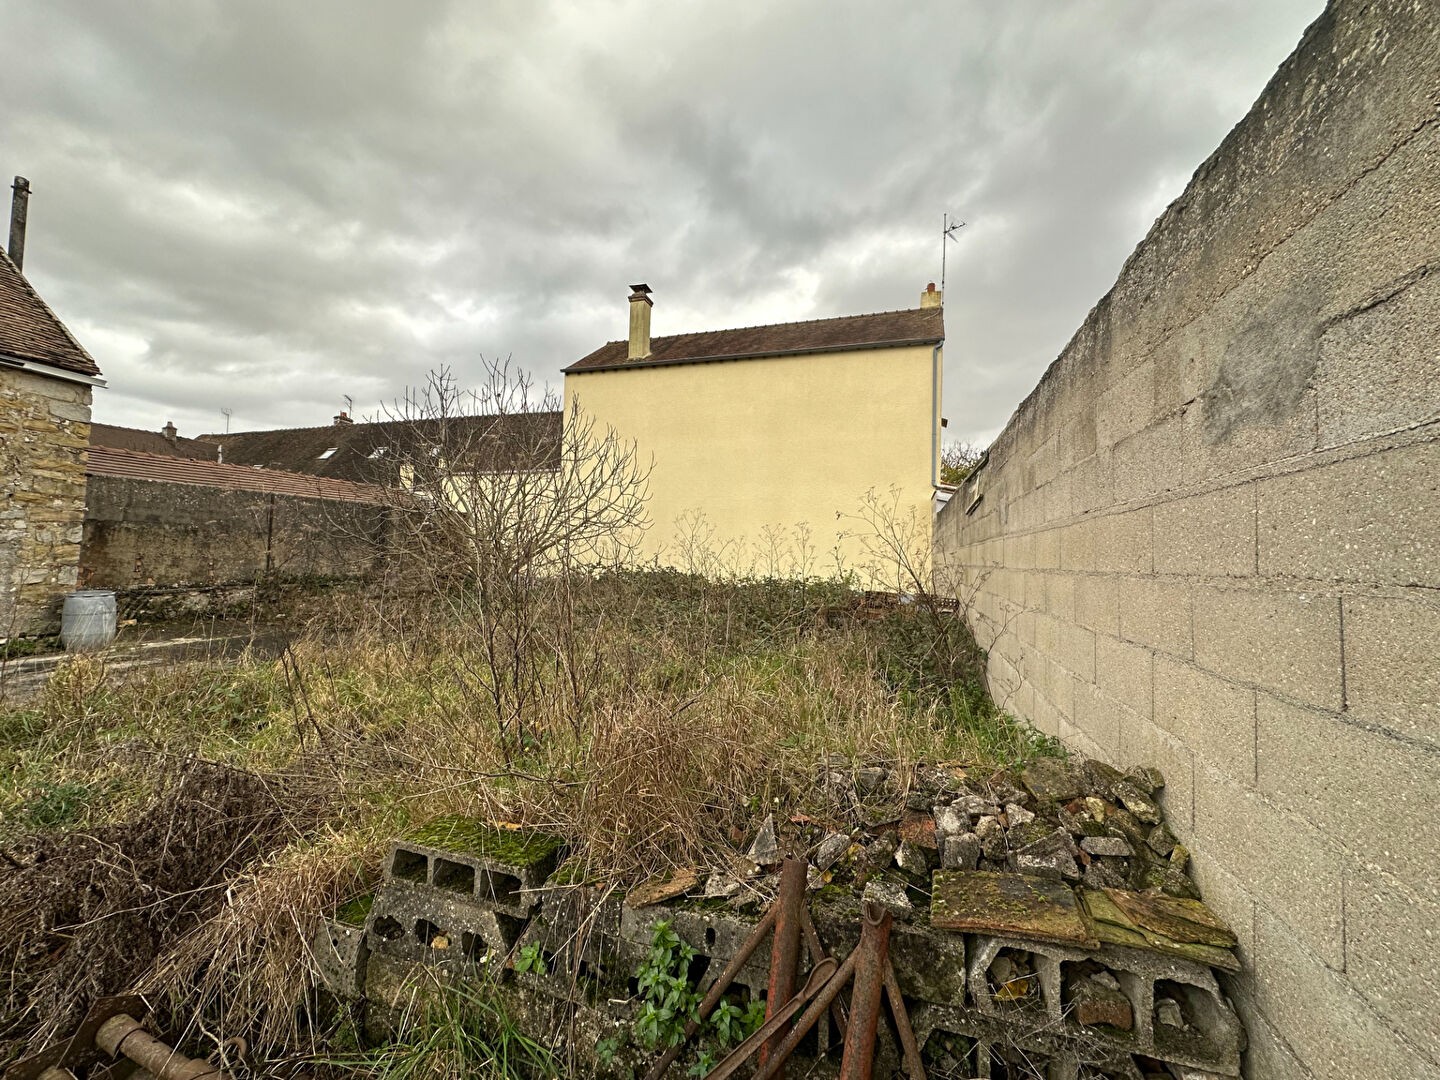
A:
(766, 439)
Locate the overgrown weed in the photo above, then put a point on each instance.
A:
(668, 709)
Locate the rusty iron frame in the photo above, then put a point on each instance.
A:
(110, 1035)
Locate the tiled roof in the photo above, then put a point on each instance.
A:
(151, 442)
(373, 453)
(29, 330)
(885, 329)
(134, 465)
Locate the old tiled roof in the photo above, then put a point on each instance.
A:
(151, 442)
(885, 329)
(373, 453)
(29, 330)
(134, 465)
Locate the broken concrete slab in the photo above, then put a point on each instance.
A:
(1019, 905)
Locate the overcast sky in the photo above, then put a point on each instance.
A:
(268, 206)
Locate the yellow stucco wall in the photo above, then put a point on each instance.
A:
(761, 447)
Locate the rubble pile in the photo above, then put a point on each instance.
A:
(1045, 925)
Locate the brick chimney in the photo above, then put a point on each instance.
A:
(343, 419)
(19, 207)
(931, 297)
(168, 431)
(640, 305)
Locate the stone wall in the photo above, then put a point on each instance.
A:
(144, 533)
(1210, 540)
(44, 431)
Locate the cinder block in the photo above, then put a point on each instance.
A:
(1376, 371)
(1079, 548)
(1286, 862)
(1214, 444)
(1077, 650)
(1331, 1027)
(1125, 672)
(1047, 548)
(1210, 535)
(1268, 1054)
(1215, 1045)
(1097, 603)
(458, 856)
(1324, 768)
(1052, 593)
(1155, 613)
(1147, 463)
(340, 952)
(1284, 641)
(1392, 952)
(1125, 543)
(1392, 674)
(1364, 519)
(424, 926)
(1102, 718)
(1215, 718)
(1127, 406)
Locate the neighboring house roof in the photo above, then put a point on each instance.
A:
(29, 330)
(882, 330)
(151, 442)
(163, 468)
(373, 453)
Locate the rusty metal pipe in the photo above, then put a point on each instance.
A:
(818, 953)
(785, 953)
(716, 992)
(914, 1063)
(865, 999)
(820, 975)
(123, 1034)
(808, 1018)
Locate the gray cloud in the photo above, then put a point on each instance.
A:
(266, 206)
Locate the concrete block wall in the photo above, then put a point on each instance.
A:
(44, 433)
(1209, 540)
(147, 532)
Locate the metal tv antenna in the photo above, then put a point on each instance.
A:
(947, 232)
(226, 413)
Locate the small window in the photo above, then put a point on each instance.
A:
(378, 452)
(327, 453)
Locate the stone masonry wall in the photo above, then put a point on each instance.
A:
(1209, 540)
(44, 433)
(146, 533)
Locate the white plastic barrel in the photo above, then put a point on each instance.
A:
(87, 620)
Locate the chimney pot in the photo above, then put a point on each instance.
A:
(640, 305)
(931, 297)
(19, 208)
(343, 419)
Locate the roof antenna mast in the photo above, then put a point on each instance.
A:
(225, 412)
(947, 232)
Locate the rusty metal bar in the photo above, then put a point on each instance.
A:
(785, 953)
(865, 999)
(123, 1034)
(818, 953)
(820, 975)
(808, 1018)
(914, 1064)
(716, 992)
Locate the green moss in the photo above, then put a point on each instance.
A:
(467, 836)
(355, 912)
